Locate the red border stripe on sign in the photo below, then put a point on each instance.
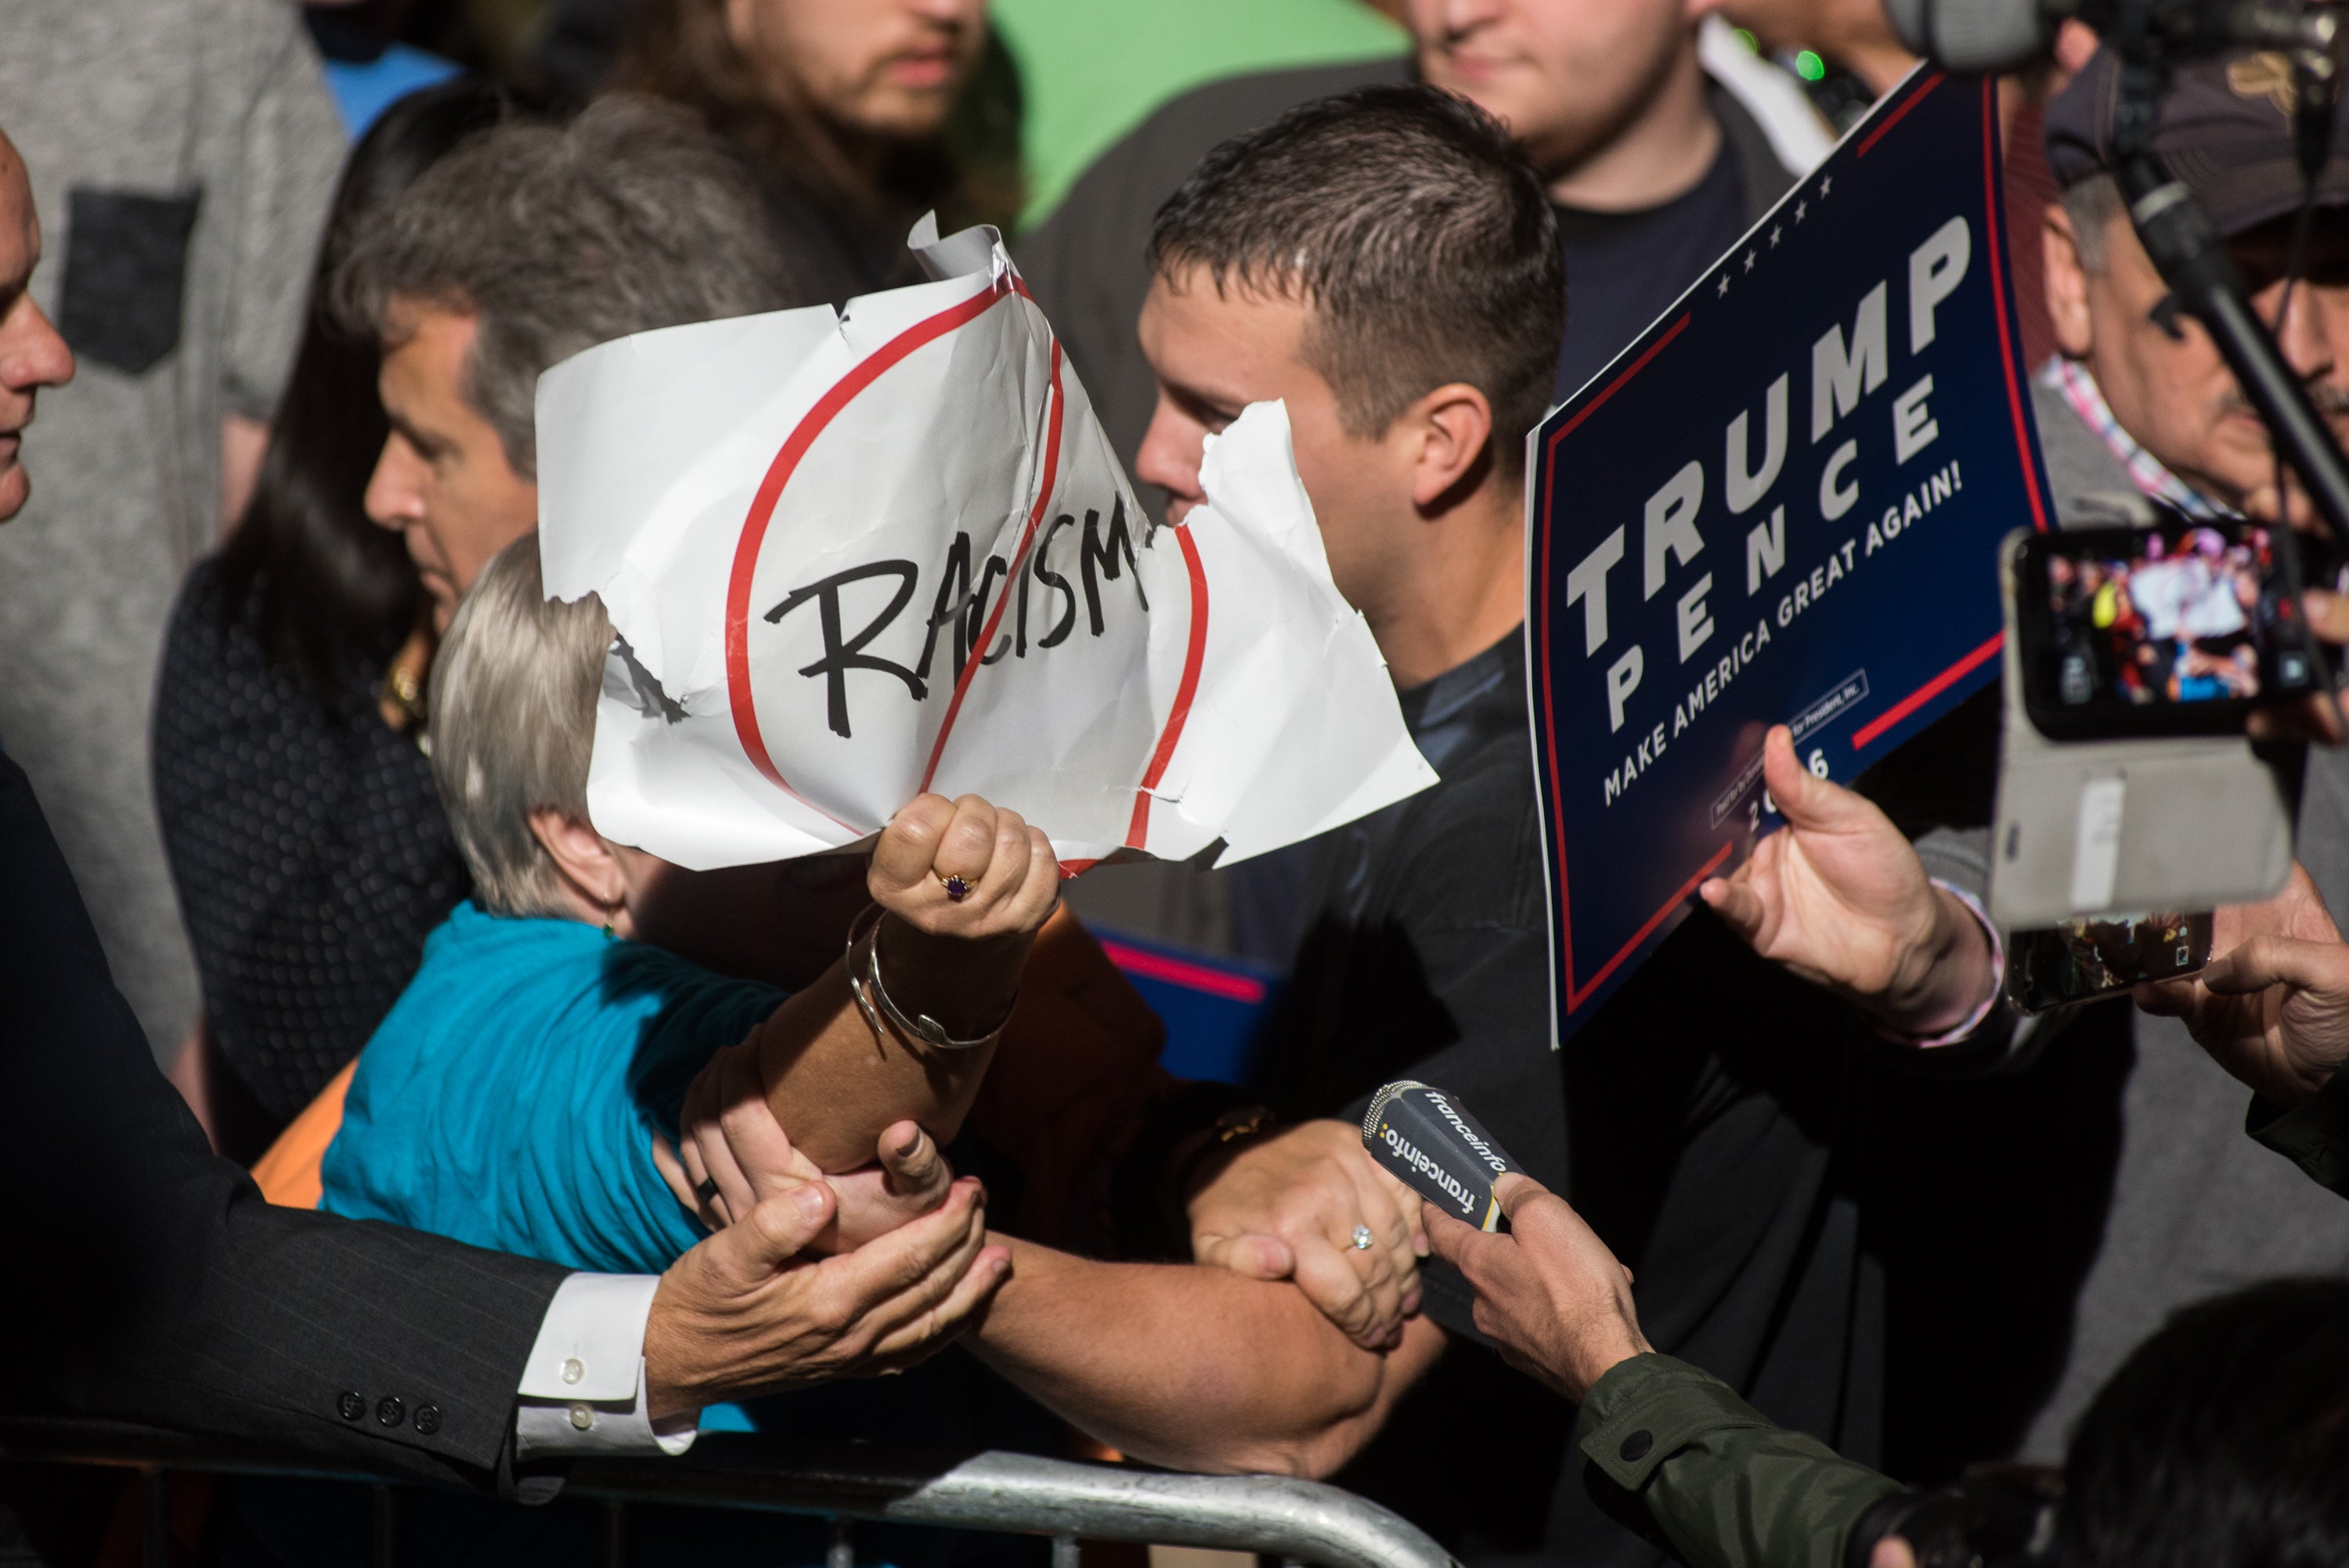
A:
(1873, 137)
(1926, 693)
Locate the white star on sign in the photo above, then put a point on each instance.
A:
(1749, 261)
(1801, 207)
(1776, 230)
(1724, 285)
(1825, 186)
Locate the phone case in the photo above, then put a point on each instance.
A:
(2084, 827)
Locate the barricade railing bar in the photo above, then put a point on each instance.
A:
(1301, 1522)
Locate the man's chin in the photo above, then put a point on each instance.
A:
(901, 114)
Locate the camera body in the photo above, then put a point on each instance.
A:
(1998, 1516)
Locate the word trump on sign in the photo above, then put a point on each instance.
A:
(1780, 505)
(852, 556)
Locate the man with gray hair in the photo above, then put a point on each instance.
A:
(518, 249)
(2151, 1174)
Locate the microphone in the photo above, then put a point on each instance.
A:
(1989, 38)
(1426, 1139)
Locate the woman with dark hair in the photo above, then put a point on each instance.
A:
(861, 114)
(307, 842)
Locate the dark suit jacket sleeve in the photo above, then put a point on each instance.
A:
(150, 1282)
(2312, 1135)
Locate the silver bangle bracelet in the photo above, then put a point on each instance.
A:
(872, 997)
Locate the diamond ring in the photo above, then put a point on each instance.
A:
(1363, 1238)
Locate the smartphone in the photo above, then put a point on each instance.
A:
(2081, 960)
(2182, 628)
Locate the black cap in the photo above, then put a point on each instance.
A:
(2225, 130)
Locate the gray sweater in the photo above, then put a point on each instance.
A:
(183, 154)
(2197, 1207)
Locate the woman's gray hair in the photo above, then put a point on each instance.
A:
(560, 237)
(513, 724)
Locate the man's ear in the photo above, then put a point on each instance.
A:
(1451, 429)
(2068, 284)
(580, 853)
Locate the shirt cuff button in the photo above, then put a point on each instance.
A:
(574, 1369)
(582, 1417)
(1635, 1447)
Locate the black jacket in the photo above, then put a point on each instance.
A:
(148, 1281)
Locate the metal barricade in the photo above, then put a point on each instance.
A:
(1301, 1522)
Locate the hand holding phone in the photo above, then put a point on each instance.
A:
(2103, 956)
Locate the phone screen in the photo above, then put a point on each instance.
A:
(2081, 960)
(2177, 629)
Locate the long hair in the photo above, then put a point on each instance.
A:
(680, 50)
(335, 590)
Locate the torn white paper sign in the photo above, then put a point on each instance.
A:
(852, 557)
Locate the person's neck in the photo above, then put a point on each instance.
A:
(1463, 596)
(1658, 156)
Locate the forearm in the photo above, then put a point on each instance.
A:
(1727, 1487)
(1194, 1368)
(835, 1085)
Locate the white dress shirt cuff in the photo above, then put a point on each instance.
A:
(583, 1388)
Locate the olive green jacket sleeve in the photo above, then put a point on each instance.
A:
(2312, 1135)
(1722, 1483)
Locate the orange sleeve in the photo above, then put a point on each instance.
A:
(289, 1174)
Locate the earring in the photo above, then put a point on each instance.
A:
(608, 931)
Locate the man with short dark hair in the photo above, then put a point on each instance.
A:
(1382, 264)
(1654, 168)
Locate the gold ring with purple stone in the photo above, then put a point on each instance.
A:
(957, 888)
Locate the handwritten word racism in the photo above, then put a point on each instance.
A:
(959, 605)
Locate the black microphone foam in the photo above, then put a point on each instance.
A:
(1974, 37)
(1426, 1139)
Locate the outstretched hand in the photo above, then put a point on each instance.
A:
(2274, 1008)
(1839, 896)
(744, 1313)
(1548, 1292)
(733, 1155)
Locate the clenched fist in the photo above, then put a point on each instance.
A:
(966, 886)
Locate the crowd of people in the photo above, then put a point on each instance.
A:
(294, 763)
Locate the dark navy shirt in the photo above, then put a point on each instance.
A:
(1695, 1122)
(1623, 269)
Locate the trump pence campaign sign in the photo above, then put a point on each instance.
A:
(1780, 505)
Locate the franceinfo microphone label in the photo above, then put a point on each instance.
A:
(1425, 1138)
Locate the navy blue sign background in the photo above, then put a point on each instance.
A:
(1779, 505)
